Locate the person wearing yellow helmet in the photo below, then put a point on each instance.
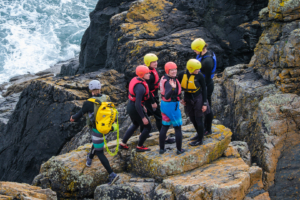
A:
(195, 97)
(152, 104)
(209, 65)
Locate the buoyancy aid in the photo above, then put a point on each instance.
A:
(156, 77)
(188, 84)
(215, 63)
(132, 84)
(163, 81)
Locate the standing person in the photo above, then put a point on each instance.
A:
(195, 102)
(209, 66)
(152, 104)
(97, 137)
(138, 94)
(170, 93)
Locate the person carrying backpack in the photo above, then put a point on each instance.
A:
(152, 104)
(170, 94)
(88, 108)
(195, 100)
(138, 94)
(209, 65)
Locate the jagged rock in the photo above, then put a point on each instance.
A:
(263, 196)
(153, 164)
(70, 68)
(10, 190)
(276, 56)
(239, 149)
(167, 28)
(139, 189)
(40, 122)
(7, 106)
(69, 177)
(225, 178)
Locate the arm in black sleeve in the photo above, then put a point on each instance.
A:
(180, 75)
(152, 100)
(169, 90)
(207, 67)
(87, 107)
(139, 91)
(203, 86)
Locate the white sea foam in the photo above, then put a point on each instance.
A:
(36, 34)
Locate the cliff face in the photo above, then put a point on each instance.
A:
(122, 32)
(39, 126)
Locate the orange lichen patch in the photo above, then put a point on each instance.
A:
(153, 164)
(146, 10)
(226, 178)
(22, 190)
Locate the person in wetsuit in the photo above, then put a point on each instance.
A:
(152, 104)
(138, 94)
(97, 137)
(195, 99)
(170, 94)
(209, 65)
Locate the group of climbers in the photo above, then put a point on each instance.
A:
(196, 82)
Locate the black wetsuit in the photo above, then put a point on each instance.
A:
(88, 107)
(207, 67)
(136, 113)
(195, 102)
(153, 99)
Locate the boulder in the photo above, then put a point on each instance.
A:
(10, 190)
(239, 149)
(134, 188)
(225, 178)
(153, 164)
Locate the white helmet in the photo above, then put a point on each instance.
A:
(95, 85)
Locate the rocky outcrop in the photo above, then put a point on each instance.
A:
(10, 191)
(266, 119)
(276, 56)
(68, 175)
(39, 126)
(153, 164)
(123, 31)
(225, 178)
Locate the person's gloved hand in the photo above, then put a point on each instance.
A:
(115, 127)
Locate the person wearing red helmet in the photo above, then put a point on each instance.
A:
(171, 95)
(138, 94)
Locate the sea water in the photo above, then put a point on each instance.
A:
(36, 34)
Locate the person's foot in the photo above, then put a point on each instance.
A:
(142, 149)
(196, 143)
(170, 141)
(123, 146)
(208, 132)
(112, 178)
(180, 152)
(195, 137)
(88, 160)
(162, 151)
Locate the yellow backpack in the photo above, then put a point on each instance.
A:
(105, 115)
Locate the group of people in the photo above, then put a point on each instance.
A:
(196, 82)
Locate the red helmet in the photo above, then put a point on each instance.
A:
(141, 70)
(170, 65)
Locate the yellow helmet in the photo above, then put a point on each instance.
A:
(198, 44)
(192, 65)
(150, 57)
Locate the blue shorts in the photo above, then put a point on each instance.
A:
(171, 114)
